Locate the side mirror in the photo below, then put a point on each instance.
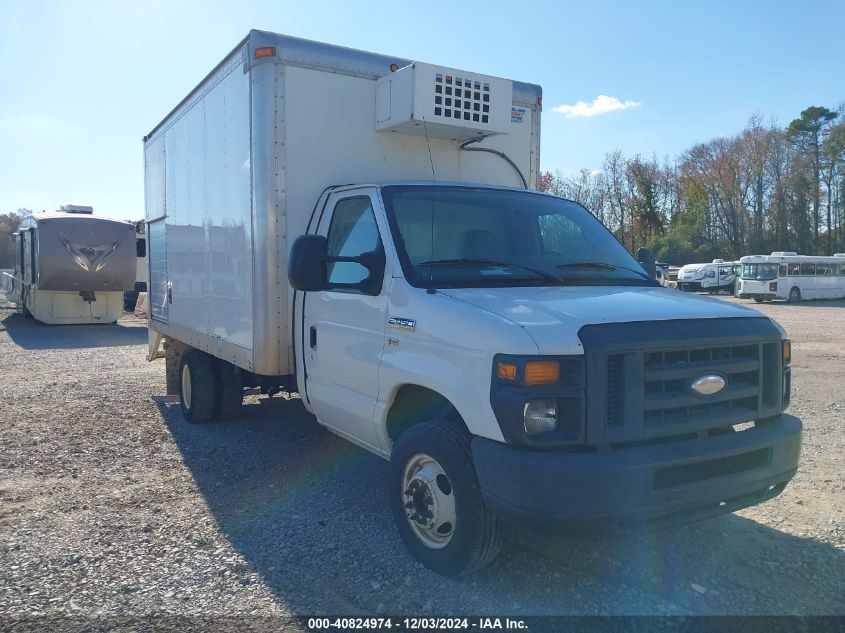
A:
(307, 263)
(307, 267)
(647, 260)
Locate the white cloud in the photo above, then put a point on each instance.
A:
(600, 105)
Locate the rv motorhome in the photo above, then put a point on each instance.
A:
(366, 230)
(72, 266)
(712, 277)
(130, 297)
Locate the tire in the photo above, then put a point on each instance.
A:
(230, 391)
(475, 538)
(24, 309)
(130, 298)
(197, 386)
(794, 295)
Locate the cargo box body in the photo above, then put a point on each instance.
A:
(234, 172)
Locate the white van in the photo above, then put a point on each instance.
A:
(365, 230)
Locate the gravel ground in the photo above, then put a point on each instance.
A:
(112, 505)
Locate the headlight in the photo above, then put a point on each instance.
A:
(540, 416)
(539, 400)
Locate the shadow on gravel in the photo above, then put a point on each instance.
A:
(31, 334)
(309, 512)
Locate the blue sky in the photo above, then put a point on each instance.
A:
(82, 81)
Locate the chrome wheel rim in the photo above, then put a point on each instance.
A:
(186, 386)
(429, 501)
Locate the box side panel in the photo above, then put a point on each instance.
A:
(228, 208)
(157, 258)
(270, 310)
(154, 203)
(198, 188)
(331, 139)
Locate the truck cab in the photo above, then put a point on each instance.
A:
(500, 345)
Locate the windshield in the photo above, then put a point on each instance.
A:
(761, 272)
(470, 237)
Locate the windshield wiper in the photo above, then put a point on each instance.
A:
(466, 261)
(604, 266)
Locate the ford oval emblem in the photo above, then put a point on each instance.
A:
(708, 385)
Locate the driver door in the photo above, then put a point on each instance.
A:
(344, 330)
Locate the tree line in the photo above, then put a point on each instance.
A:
(9, 223)
(767, 188)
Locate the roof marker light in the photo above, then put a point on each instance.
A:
(265, 51)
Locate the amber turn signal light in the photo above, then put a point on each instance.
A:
(542, 372)
(787, 352)
(506, 371)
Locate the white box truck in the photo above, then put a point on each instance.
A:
(364, 229)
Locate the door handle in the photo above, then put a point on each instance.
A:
(313, 336)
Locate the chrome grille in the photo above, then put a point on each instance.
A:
(648, 393)
(669, 405)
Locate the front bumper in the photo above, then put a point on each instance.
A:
(641, 486)
(756, 295)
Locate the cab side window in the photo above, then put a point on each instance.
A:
(353, 232)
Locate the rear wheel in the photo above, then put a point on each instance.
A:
(436, 500)
(197, 386)
(230, 390)
(24, 307)
(794, 295)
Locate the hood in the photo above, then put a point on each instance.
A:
(553, 316)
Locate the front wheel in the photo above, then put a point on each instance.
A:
(794, 295)
(436, 500)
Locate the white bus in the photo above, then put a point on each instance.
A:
(793, 277)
